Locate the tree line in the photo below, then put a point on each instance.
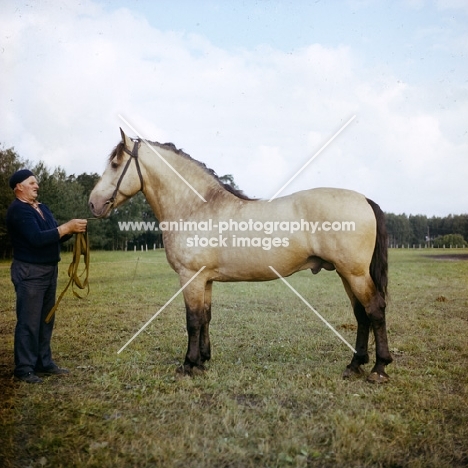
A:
(67, 197)
(419, 230)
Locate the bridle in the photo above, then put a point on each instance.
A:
(133, 155)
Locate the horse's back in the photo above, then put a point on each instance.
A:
(342, 224)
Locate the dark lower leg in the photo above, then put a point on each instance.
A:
(362, 338)
(382, 353)
(195, 325)
(205, 346)
(192, 357)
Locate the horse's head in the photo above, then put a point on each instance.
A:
(121, 179)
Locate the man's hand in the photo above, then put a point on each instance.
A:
(74, 226)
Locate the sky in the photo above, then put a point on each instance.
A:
(251, 88)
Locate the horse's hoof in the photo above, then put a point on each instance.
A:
(375, 377)
(198, 370)
(190, 371)
(353, 372)
(181, 371)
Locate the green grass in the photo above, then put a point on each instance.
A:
(273, 395)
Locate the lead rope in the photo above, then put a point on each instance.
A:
(81, 247)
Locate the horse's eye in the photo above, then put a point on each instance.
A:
(114, 165)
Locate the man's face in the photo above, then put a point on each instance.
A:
(28, 189)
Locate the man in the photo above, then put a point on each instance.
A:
(36, 239)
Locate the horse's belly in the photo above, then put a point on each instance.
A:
(252, 264)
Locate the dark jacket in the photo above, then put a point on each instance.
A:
(34, 239)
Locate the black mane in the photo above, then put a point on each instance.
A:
(119, 149)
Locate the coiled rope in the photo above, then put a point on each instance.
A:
(80, 248)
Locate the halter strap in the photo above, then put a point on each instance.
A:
(133, 155)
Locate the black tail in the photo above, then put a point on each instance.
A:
(379, 265)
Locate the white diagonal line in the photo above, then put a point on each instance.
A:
(313, 310)
(159, 155)
(160, 310)
(312, 158)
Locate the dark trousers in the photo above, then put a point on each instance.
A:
(35, 287)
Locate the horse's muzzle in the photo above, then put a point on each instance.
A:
(105, 210)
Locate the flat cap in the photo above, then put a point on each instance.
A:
(19, 176)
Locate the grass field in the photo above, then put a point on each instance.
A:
(273, 395)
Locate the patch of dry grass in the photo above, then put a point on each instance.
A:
(273, 394)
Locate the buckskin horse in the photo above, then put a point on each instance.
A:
(182, 190)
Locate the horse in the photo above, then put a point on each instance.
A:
(254, 240)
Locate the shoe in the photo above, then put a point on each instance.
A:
(30, 377)
(55, 370)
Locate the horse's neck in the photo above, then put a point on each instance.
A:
(171, 197)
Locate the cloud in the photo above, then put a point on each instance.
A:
(258, 114)
(452, 4)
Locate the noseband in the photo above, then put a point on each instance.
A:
(133, 155)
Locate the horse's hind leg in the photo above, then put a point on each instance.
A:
(361, 356)
(376, 312)
(373, 304)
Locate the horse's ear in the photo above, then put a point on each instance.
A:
(125, 139)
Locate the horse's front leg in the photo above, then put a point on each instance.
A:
(198, 349)
(205, 346)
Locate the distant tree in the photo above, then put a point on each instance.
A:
(451, 224)
(229, 180)
(418, 226)
(450, 240)
(460, 225)
(398, 228)
(10, 162)
(64, 195)
(87, 181)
